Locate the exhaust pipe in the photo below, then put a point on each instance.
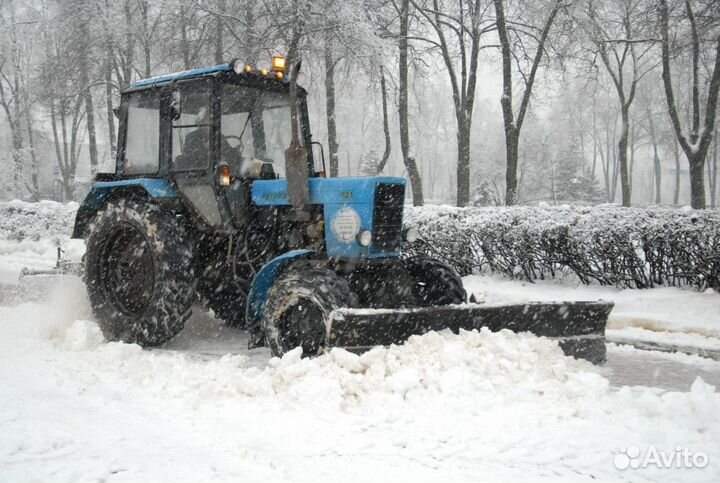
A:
(296, 156)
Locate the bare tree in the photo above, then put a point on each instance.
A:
(513, 125)
(696, 142)
(649, 102)
(619, 33)
(459, 30)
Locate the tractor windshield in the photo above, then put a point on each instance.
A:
(255, 125)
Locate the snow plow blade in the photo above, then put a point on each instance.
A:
(579, 327)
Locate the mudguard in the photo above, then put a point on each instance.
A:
(103, 190)
(259, 289)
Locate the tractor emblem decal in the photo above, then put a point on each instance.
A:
(346, 225)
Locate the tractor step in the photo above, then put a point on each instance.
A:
(579, 327)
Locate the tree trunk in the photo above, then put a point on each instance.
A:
(330, 105)
(657, 168)
(605, 164)
(658, 175)
(676, 191)
(413, 173)
(146, 36)
(17, 144)
(35, 188)
(713, 174)
(463, 164)
(109, 106)
(631, 151)
(184, 40)
(511, 156)
(595, 149)
(17, 137)
(92, 139)
(697, 180)
(623, 157)
(250, 45)
(61, 152)
(386, 123)
(87, 94)
(219, 22)
(129, 49)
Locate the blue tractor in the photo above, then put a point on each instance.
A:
(217, 198)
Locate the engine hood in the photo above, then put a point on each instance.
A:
(350, 206)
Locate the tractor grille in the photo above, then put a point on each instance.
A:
(387, 224)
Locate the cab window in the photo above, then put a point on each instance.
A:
(255, 126)
(142, 142)
(191, 126)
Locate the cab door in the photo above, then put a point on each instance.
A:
(192, 147)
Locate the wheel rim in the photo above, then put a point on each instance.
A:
(302, 324)
(126, 270)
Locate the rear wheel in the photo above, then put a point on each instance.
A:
(298, 307)
(139, 273)
(434, 282)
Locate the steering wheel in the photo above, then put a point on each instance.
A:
(240, 146)
(232, 136)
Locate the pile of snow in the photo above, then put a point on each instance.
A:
(441, 407)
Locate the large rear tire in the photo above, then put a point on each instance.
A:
(434, 282)
(139, 274)
(298, 308)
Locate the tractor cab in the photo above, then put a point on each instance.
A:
(211, 132)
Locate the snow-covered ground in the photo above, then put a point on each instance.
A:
(442, 407)
(478, 406)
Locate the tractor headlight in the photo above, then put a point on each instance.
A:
(237, 66)
(278, 63)
(364, 238)
(411, 235)
(224, 175)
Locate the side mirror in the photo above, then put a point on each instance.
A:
(116, 111)
(314, 144)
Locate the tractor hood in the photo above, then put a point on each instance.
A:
(350, 206)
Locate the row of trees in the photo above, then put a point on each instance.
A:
(588, 89)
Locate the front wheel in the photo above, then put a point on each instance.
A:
(434, 282)
(139, 274)
(298, 308)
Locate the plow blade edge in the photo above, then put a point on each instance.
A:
(579, 327)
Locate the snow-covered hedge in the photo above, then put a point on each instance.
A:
(628, 247)
(20, 220)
